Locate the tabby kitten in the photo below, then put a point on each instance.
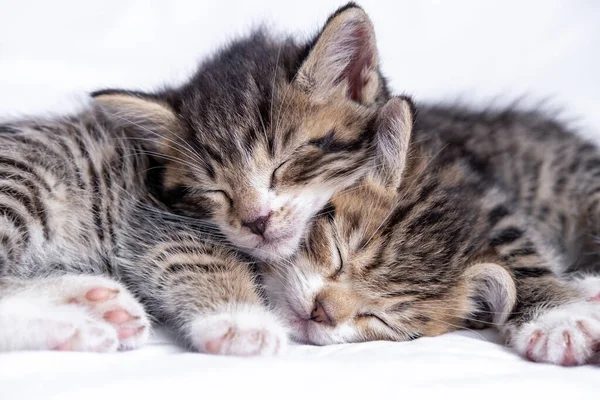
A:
(471, 220)
(142, 196)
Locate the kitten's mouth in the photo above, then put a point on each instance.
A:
(277, 244)
(266, 241)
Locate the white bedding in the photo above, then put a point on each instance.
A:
(52, 53)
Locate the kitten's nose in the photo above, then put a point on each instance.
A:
(259, 225)
(319, 314)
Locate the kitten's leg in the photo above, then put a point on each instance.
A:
(70, 312)
(209, 296)
(553, 320)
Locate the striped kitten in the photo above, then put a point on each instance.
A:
(474, 220)
(121, 202)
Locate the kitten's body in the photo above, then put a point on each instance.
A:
(154, 190)
(488, 215)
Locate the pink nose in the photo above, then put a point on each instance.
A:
(259, 225)
(319, 314)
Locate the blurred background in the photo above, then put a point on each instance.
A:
(53, 52)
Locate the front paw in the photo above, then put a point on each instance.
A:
(566, 335)
(240, 331)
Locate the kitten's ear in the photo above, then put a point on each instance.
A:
(144, 116)
(392, 140)
(343, 60)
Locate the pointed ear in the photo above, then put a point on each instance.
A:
(144, 116)
(343, 59)
(392, 140)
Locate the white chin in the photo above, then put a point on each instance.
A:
(275, 250)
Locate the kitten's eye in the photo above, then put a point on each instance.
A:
(340, 268)
(222, 193)
(371, 315)
(325, 142)
(274, 174)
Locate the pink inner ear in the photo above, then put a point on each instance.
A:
(356, 73)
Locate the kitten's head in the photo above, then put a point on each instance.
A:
(265, 132)
(348, 283)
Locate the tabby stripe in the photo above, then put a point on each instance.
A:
(209, 153)
(7, 245)
(586, 147)
(271, 146)
(108, 265)
(342, 173)
(96, 200)
(71, 158)
(16, 218)
(593, 164)
(525, 251)
(401, 212)
(107, 180)
(8, 129)
(35, 197)
(39, 143)
(176, 270)
(177, 249)
(427, 218)
(328, 145)
(287, 136)
(497, 214)
(532, 272)
(593, 190)
(210, 170)
(401, 293)
(14, 164)
(574, 166)
(20, 197)
(48, 149)
(506, 236)
(559, 185)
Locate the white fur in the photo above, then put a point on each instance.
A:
(44, 314)
(292, 291)
(564, 335)
(283, 234)
(496, 285)
(240, 330)
(589, 285)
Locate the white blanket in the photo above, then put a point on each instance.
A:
(53, 52)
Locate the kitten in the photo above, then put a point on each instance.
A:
(123, 201)
(471, 220)
(265, 132)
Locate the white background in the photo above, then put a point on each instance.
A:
(53, 52)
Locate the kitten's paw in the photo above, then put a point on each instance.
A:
(567, 335)
(89, 334)
(80, 313)
(246, 331)
(109, 301)
(30, 324)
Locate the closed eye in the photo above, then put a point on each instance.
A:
(274, 174)
(377, 317)
(222, 193)
(325, 142)
(340, 268)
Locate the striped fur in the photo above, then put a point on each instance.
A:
(161, 191)
(477, 222)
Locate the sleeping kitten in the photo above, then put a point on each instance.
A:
(265, 132)
(132, 189)
(470, 221)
